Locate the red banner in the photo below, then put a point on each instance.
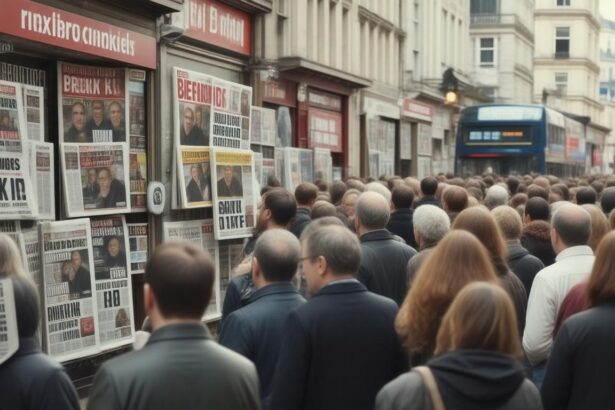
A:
(49, 25)
(416, 109)
(325, 129)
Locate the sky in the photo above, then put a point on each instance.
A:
(607, 9)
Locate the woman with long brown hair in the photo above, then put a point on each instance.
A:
(457, 260)
(477, 365)
(482, 224)
(600, 225)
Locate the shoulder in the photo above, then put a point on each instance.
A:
(527, 396)
(405, 392)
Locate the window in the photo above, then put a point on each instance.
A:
(561, 82)
(563, 2)
(484, 7)
(486, 52)
(562, 42)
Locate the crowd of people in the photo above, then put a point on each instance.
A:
(445, 293)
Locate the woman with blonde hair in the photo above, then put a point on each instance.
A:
(477, 365)
(600, 225)
(457, 260)
(10, 257)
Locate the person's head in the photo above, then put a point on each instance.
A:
(114, 246)
(328, 253)
(98, 111)
(91, 176)
(372, 212)
(194, 173)
(601, 283)
(323, 208)
(607, 200)
(430, 225)
(481, 317)
(379, 188)
(512, 183)
(104, 181)
(353, 183)
(509, 221)
(600, 225)
(496, 196)
(278, 208)
(115, 114)
(349, 200)
(5, 118)
(306, 194)
(455, 199)
(228, 174)
(570, 226)
(536, 209)
(27, 305)
(561, 190)
(458, 259)
(402, 197)
(429, 186)
(537, 191)
(276, 257)
(542, 182)
(337, 189)
(184, 294)
(10, 257)
(78, 116)
(198, 116)
(188, 120)
(518, 199)
(68, 271)
(75, 258)
(586, 195)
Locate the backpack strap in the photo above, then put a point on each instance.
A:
(432, 387)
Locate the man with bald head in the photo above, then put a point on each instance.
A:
(570, 232)
(384, 261)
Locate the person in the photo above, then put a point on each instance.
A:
(477, 360)
(600, 225)
(116, 257)
(198, 188)
(229, 185)
(496, 196)
(454, 200)
(5, 121)
(569, 235)
(76, 131)
(188, 133)
(117, 122)
(430, 225)
(586, 195)
(607, 200)
(337, 189)
(29, 379)
(581, 367)
(458, 259)
(536, 209)
(305, 195)
(384, 260)
(400, 222)
(180, 366)
(524, 265)
(429, 186)
(10, 257)
(340, 347)
(99, 128)
(112, 192)
(79, 281)
(91, 189)
(349, 200)
(256, 330)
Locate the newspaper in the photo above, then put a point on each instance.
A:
(34, 110)
(298, 167)
(95, 178)
(138, 238)
(230, 256)
(113, 282)
(68, 279)
(13, 230)
(192, 109)
(9, 337)
(138, 147)
(264, 128)
(280, 165)
(258, 169)
(306, 158)
(230, 124)
(323, 165)
(374, 163)
(31, 251)
(199, 232)
(234, 200)
(269, 169)
(43, 179)
(194, 176)
(16, 194)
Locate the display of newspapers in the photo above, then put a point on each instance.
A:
(264, 128)
(258, 169)
(42, 177)
(70, 318)
(9, 337)
(268, 169)
(31, 251)
(138, 238)
(192, 110)
(194, 176)
(17, 199)
(280, 165)
(13, 230)
(201, 233)
(298, 167)
(138, 140)
(323, 165)
(113, 282)
(234, 200)
(95, 177)
(33, 100)
(374, 163)
(230, 126)
(230, 255)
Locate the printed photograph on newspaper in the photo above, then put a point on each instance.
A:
(231, 105)
(137, 146)
(194, 176)
(234, 200)
(138, 238)
(192, 93)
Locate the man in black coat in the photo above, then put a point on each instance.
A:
(429, 186)
(400, 223)
(384, 261)
(189, 133)
(340, 348)
(305, 195)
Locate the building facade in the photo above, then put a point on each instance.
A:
(607, 88)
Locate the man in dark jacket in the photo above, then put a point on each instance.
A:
(340, 347)
(181, 367)
(305, 195)
(400, 223)
(256, 330)
(536, 238)
(384, 261)
(429, 186)
(29, 379)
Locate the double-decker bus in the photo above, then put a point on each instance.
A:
(519, 139)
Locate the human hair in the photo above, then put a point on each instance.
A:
(322, 185)
(573, 224)
(337, 245)
(282, 205)
(10, 257)
(353, 183)
(537, 209)
(600, 225)
(431, 222)
(306, 193)
(457, 260)
(455, 198)
(277, 252)
(513, 184)
(562, 190)
(586, 195)
(379, 188)
(372, 210)
(601, 282)
(481, 223)
(402, 196)
(518, 199)
(607, 200)
(323, 208)
(337, 189)
(481, 317)
(181, 276)
(429, 185)
(537, 191)
(27, 305)
(509, 221)
(496, 196)
(542, 182)
(612, 219)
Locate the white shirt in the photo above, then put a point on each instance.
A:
(551, 285)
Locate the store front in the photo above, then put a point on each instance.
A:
(380, 153)
(417, 118)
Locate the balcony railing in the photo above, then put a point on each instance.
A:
(497, 19)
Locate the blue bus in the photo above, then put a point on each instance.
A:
(519, 139)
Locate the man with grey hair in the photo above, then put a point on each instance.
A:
(256, 330)
(383, 266)
(430, 225)
(379, 188)
(496, 195)
(570, 232)
(340, 348)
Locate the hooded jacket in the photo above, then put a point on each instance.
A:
(467, 380)
(524, 265)
(536, 239)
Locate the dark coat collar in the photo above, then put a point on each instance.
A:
(305, 211)
(339, 288)
(273, 289)
(377, 235)
(180, 331)
(402, 212)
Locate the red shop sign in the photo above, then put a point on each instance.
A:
(416, 109)
(216, 23)
(49, 25)
(279, 92)
(325, 129)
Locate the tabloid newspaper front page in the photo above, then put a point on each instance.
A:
(138, 140)
(42, 176)
(68, 278)
(112, 281)
(201, 233)
(9, 338)
(194, 177)
(34, 111)
(234, 199)
(323, 165)
(263, 126)
(138, 237)
(230, 125)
